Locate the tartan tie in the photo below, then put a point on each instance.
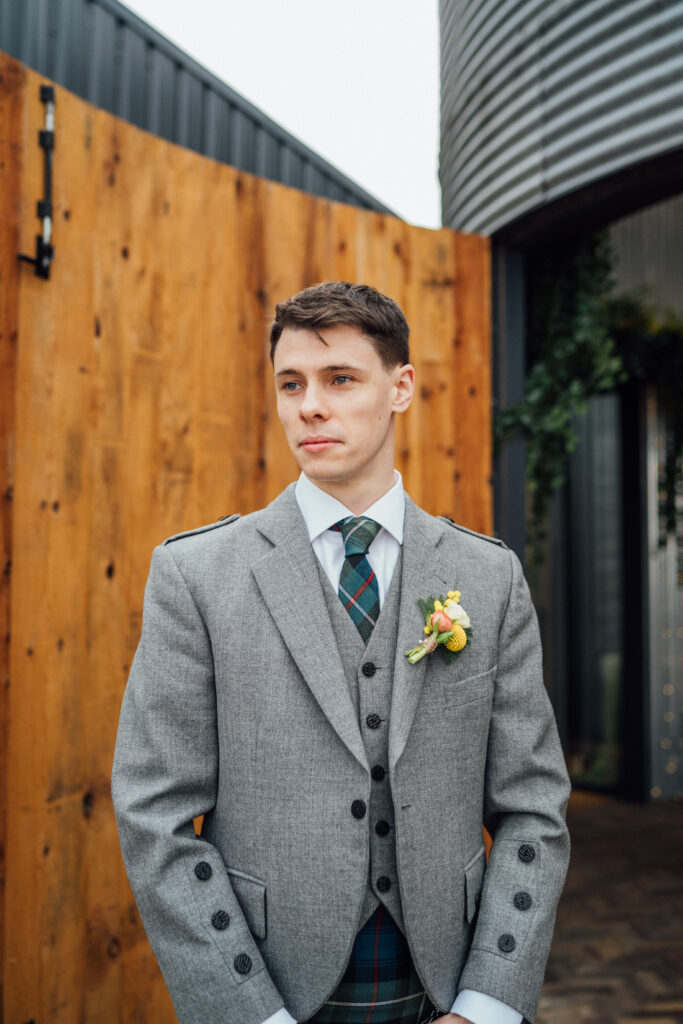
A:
(358, 590)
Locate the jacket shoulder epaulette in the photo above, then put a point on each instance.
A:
(473, 533)
(223, 521)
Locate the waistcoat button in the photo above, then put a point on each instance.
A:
(373, 721)
(369, 669)
(358, 809)
(382, 828)
(378, 773)
(383, 883)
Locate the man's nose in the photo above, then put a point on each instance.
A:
(313, 402)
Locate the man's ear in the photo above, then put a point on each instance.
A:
(404, 385)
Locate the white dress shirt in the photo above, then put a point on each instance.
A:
(321, 511)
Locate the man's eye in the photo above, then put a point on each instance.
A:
(290, 385)
(342, 378)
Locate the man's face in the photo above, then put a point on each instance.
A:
(336, 401)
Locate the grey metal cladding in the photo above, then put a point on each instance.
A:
(542, 97)
(104, 53)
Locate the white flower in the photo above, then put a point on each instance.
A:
(456, 613)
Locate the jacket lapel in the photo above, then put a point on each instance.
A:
(289, 582)
(422, 577)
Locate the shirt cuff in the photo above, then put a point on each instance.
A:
(482, 1009)
(281, 1017)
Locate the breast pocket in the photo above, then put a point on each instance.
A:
(457, 692)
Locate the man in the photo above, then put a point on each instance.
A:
(341, 875)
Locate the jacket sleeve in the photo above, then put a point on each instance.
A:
(164, 775)
(526, 792)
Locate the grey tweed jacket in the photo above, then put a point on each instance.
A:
(237, 708)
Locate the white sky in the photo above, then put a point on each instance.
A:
(357, 81)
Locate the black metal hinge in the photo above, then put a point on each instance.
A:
(45, 252)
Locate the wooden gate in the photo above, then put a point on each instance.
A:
(135, 401)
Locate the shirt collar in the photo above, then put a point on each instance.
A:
(321, 511)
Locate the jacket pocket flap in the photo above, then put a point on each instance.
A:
(470, 689)
(251, 896)
(474, 879)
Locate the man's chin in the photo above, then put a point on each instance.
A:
(321, 470)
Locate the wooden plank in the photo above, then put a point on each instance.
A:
(12, 91)
(473, 433)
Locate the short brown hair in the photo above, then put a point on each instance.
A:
(340, 304)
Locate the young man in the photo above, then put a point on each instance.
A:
(341, 874)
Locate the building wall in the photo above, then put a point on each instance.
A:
(542, 97)
(107, 55)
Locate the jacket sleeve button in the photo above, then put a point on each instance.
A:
(220, 920)
(358, 809)
(203, 871)
(242, 963)
(522, 900)
(506, 943)
(526, 853)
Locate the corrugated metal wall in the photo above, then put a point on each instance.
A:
(541, 97)
(107, 55)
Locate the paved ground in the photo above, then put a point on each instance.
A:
(617, 957)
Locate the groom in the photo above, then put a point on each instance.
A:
(340, 875)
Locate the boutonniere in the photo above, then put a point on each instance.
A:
(447, 626)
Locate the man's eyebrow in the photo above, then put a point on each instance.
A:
(336, 368)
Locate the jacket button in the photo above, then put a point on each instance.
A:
(220, 920)
(369, 669)
(382, 828)
(203, 871)
(242, 963)
(383, 883)
(522, 900)
(506, 943)
(373, 721)
(526, 853)
(378, 773)
(358, 809)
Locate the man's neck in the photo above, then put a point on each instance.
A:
(357, 496)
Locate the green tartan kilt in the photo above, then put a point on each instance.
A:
(380, 984)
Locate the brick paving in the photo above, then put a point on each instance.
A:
(617, 955)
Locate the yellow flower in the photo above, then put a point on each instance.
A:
(454, 595)
(438, 607)
(458, 640)
(428, 630)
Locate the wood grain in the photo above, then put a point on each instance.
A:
(12, 92)
(136, 400)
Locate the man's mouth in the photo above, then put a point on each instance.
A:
(317, 444)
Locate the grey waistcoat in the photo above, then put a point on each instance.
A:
(371, 695)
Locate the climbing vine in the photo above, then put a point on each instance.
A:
(574, 356)
(582, 341)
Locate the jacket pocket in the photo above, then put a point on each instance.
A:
(469, 690)
(474, 879)
(251, 896)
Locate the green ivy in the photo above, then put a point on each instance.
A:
(584, 341)
(575, 357)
